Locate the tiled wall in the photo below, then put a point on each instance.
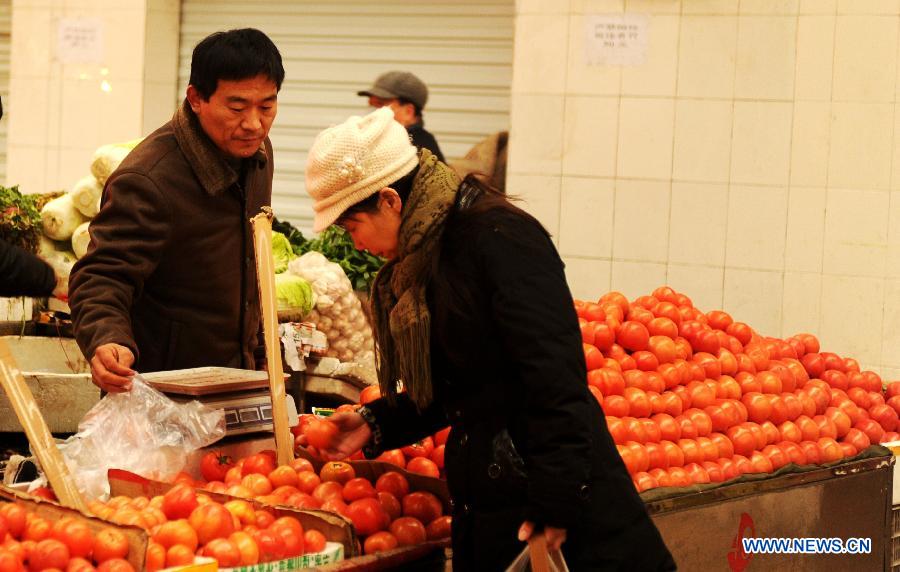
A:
(60, 113)
(752, 162)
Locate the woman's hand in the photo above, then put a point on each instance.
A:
(555, 536)
(353, 434)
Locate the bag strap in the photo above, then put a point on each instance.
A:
(540, 558)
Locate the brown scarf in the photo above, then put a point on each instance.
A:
(399, 308)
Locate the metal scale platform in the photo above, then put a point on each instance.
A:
(243, 395)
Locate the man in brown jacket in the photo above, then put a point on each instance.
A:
(169, 279)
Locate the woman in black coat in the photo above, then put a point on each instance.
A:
(23, 273)
(473, 313)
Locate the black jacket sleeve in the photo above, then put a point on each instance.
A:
(23, 273)
(538, 328)
(402, 424)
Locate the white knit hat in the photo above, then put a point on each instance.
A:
(350, 162)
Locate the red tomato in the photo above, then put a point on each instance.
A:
(259, 463)
(742, 440)
(337, 471)
(829, 450)
(871, 428)
(422, 448)
(885, 415)
(314, 541)
(697, 473)
(329, 490)
(421, 505)
(394, 457)
(840, 419)
(708, 449)
(110, 543)
(289, 532)
(678, 477)
(270, 546)
(379, 542)
(423, 466)
(776, 456)
(320, 432)
(814, 364)
(408, 531)
(224, 551)
(115, 565)
(440, 438)
(211, 520)
(616, 406)
(437, 456)
(368, 516)
(176, 532)
(741, 331)
(760, 463)
(857, 438)
(77, 537)
(390, 504)
(246, 546)
(369, 394)
(633, 335)
(179, 502)
(49, 553)
(394, 483)
(719, 320)
(358, 488)
(214, 465)
(593, 357)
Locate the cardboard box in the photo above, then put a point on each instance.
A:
(137, 537)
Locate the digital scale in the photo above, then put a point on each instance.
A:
(242, 393)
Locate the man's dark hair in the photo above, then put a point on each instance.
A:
(234, 55)
(417, 109)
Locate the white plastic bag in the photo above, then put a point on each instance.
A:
(141, 431)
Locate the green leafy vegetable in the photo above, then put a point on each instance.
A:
(20, 218)
(282, 252)
(336, 245)
(293, 292)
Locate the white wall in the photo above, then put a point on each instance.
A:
(62, 112)
(753, 161)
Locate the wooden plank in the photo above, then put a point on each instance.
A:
(38, 433)
(265, 274)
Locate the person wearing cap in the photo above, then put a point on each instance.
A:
(473, 314)
(406, 95)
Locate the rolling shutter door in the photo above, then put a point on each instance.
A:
(462, 50)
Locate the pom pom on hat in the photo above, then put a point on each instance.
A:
(350, 162)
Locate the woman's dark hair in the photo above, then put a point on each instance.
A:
(369, 205)
(234, 55)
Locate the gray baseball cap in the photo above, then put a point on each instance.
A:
(399, 85)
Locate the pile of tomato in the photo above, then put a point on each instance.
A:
(183, 524)
(31, 542)
(385, 514)
(693, 397)
(425, 457)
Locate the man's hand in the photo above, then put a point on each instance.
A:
(555, 536)
(111, 368)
